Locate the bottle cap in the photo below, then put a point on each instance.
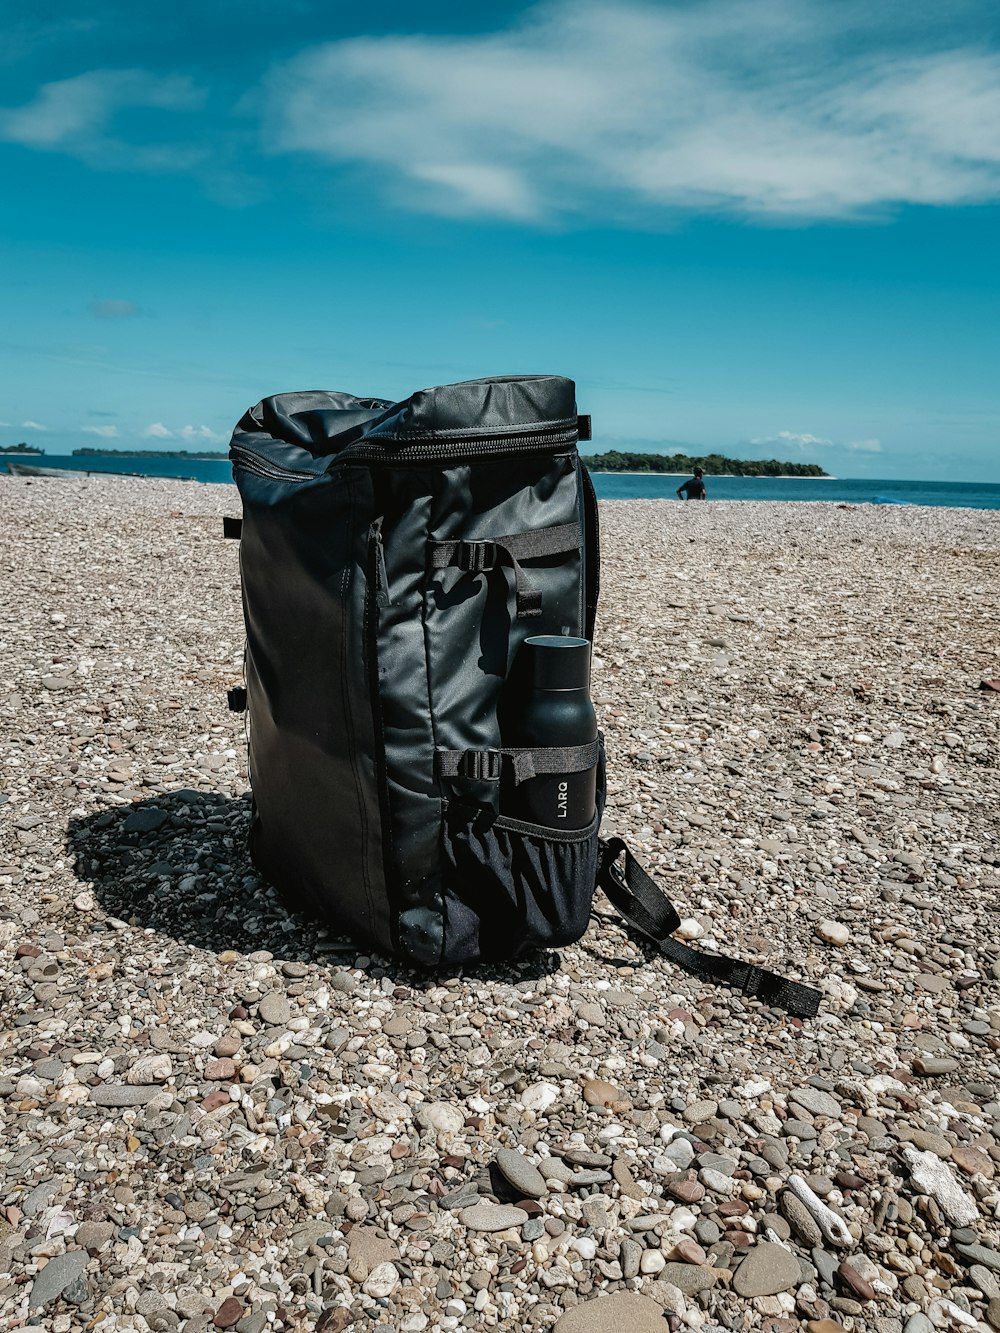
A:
(556, 662)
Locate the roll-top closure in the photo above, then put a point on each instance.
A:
(528, 410)
(527, 403)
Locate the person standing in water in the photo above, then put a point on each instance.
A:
(693, 489)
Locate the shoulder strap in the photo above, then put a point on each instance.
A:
(647, 909)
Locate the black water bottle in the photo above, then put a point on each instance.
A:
(550, 706)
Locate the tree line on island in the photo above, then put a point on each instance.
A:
(713, 465)
(615, 460)
(149, 453)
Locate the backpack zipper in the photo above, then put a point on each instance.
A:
(250, 461)
(457, 447)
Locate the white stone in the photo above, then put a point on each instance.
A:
(72, 1094)
(381, 1281)
(539, 1097)
(149, 1069)
(585, 1246)
(945, 1314)
(652, 1261)
(442, 1117)
(384, 1106)
(840, 994)
(690, 929)
(413, 1323)
(932, 1176)
(833, 932)
(754, 1089)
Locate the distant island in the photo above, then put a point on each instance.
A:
(22, 448)
(149, 453)
(713, 465)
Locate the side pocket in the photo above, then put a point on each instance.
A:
(510, 887)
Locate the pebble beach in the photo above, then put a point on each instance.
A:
(217, 1115)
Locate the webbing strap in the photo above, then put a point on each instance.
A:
(477, 557)
(647, 909)
(486, 765)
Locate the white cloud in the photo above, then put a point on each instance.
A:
(788, 437)
(33, 425)
(791, 439)
(105, 432)
(76, 115)
(191, 434)
(203, 434)
(776, 109)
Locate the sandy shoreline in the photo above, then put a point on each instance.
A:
(212, 1111)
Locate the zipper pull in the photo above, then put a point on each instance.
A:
(381, 578)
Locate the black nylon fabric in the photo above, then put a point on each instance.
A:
(471, 636)
(510, 887)
(488, 406)
(312, 750)
(363, 658)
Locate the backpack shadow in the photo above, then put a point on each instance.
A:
(178, 863)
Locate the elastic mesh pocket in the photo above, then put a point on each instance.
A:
(511, 887)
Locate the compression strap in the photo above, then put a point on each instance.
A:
(476, 557)
(648, 910)
(526, 763)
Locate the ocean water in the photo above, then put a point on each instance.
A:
(621, 485)
(848, 490)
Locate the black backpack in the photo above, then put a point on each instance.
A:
(394, 557)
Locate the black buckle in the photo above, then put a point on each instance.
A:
(480, 765)
(476, 557)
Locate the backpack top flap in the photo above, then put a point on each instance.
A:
(481, 407)
(322, 424)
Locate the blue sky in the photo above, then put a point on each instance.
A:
(766, 229)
